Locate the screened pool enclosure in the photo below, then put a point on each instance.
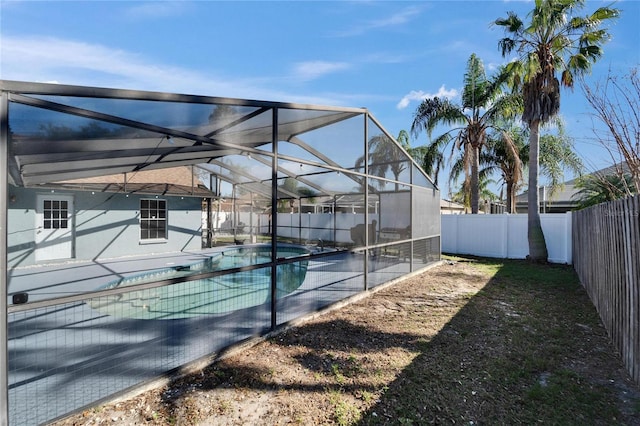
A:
(145, 231)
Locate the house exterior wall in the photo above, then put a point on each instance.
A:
(105, 225)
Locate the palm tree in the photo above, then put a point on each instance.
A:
(556, 156)
(596, 189)
(291, 185)
(553, 41)
(384, 155)
(508, 154)
(482, 103)
(399, 160)
(430, 158)
(462, 196)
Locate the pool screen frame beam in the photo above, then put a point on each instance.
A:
(274, 217)
(4, 355)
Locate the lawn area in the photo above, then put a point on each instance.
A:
(527, 348)
(471, 341)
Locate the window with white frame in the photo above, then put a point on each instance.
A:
(153, 219)
(55, 214)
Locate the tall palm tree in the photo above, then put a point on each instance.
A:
(482, 103)
(554, 41)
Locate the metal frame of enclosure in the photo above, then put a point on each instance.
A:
(291, 208)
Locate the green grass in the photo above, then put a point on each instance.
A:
(528, 348)
(344, 412)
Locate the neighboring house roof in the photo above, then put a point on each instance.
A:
(170, 181)
(564, 197)
(451, 206)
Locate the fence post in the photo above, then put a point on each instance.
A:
(505, 227)
(568, 240)
(456, 226)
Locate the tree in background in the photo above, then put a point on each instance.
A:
(431, 158)
(463, 194)
(292, 186)
(616, 103)
(384, 156)
(556, 156)
(508, 154)
(554, 41)
(596, 188)
(483, 103)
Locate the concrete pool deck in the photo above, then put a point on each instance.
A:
(52, 280)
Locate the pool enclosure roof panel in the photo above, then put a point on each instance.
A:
(60, 133)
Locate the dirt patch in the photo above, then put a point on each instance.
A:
(455, 344)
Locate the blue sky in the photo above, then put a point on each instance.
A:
(383, 55)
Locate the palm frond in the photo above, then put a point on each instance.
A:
(596, 189)
(434, 111)
(556, 40)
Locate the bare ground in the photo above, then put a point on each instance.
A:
(453, 345)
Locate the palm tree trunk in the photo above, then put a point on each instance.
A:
(511, 208)
(475, 178)
(537, 243)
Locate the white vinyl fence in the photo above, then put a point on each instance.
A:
(505, 236)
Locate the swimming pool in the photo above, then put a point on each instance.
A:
(215, 295)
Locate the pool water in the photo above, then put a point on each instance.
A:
(216, 295)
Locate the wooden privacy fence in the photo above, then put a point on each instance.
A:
(606, 256)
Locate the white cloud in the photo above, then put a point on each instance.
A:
(394, 20)
(399, 18)
(419, 95)
(387, 58)
(48, 59)
(157, 9)
(76, 62)
(311, 70)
